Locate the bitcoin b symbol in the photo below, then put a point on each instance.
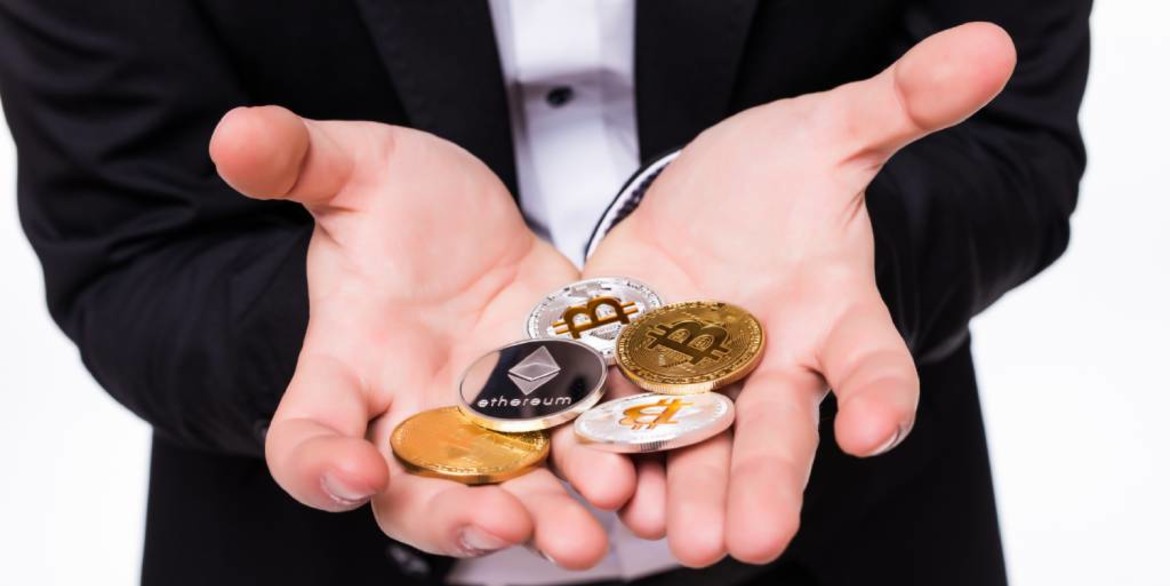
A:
(619, 312)
(691, 332)
(650, 416)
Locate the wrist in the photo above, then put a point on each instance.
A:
(628, 198)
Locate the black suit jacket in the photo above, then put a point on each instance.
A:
(188, 301)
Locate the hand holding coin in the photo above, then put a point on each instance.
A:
(767, 210)
(418, 264)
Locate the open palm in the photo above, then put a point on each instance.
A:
(419, 263)
(767, 210)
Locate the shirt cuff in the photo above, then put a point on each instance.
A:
(627, 199)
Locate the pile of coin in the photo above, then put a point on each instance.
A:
(509, 398)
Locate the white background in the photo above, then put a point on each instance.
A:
(1072, 367)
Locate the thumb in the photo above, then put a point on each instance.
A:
(268, 152)
(938, 83)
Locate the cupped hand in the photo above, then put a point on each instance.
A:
(419, 262)
(767, 210)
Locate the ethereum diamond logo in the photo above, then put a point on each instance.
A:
(534, 371)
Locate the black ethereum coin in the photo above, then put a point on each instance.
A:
(532, 385)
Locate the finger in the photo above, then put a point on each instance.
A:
(775, 442)
(269, 152)
(869, 368)
(605, 480)
(447, 518)
(696, 501)
(315, 447)
(938, 83)
(563, 530)
(645, 513)
(640, 487)
(608, 481)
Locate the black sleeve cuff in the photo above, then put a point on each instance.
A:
(628, 198)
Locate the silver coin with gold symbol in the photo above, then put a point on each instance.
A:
(650, 422)
(593, 311)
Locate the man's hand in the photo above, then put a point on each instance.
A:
(767, 210)
(419, 263)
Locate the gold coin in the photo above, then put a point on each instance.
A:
(690, 347)
(442, 443)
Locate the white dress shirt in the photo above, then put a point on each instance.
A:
(569, 70)
(568, 66)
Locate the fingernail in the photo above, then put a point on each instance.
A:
(476, 542)
(340, 493)
(532, 548)
(899, 435)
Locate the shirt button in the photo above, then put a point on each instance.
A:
(408, 562)
(559, 96)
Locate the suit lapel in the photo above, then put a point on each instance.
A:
(686, 58)
(441, 55)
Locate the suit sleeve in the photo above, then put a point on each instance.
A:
(187, 301)
(966, 214)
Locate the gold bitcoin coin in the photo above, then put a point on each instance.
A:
(690, 347)
(442, 443)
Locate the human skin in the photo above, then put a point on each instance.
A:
(420, 262)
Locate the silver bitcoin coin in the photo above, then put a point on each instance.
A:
(593, 311)
(650, 422)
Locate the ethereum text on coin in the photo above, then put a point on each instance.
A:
(532, 384)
